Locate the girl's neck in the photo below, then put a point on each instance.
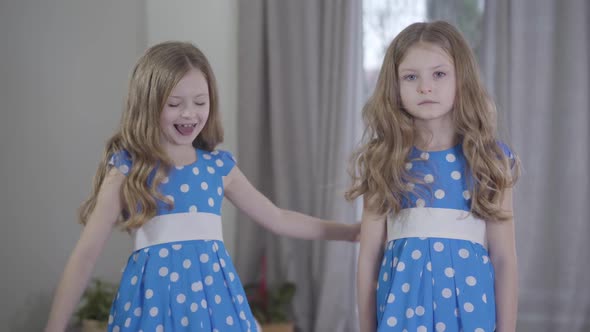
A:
(435, 137)
(181, 155)
(437, 144)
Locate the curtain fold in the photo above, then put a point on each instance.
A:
(300, 86)
(536, 63)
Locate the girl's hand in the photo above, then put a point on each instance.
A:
(355, 232)
(283, 222)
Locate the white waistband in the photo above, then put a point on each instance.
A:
(435, 222)
(178, 227)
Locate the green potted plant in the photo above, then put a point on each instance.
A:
(271, 305)
(93, 314)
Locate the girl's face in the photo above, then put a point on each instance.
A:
(186, 110)
(427, 82)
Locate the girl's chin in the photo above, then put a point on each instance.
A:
(178, 140)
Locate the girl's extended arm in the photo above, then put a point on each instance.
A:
(82, 260)
(502, 250)
(373, 235)
(283, 222)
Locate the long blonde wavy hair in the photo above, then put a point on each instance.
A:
(377, 166)
(156, 73)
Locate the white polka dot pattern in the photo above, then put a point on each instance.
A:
(436, 284)
(192, 284)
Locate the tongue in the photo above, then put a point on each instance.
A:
(185, 130)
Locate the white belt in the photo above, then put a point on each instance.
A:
(435, 222)
(178, 227)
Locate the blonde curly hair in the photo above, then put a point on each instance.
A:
(153, 78)
(377, 166)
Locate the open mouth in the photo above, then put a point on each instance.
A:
(185, 129)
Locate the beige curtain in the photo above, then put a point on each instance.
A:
(536, 59)
(299, 95)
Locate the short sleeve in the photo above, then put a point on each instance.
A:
(507, 152)
(122, 161)
(225, 162)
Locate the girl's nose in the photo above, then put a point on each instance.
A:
(424, 88)
(188, 112)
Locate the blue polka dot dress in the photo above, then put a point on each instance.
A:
(436, 274)
(180, 276)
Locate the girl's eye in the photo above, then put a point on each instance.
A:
(410, 77)
(173, 105)
(200, 104)
(440, 74)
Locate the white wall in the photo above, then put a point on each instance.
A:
(64, 66)
(211, 26)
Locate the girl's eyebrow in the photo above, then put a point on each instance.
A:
(199, 95)
(431, 68)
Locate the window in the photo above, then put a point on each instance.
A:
(384, 19)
